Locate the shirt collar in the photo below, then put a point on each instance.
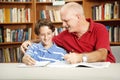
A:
(40, 45)
(49, 49)
(91, 24)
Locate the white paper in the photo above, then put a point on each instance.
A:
(90, 65)
(38, 64)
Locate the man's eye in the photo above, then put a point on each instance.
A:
(66, 21)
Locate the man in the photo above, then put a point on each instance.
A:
(85, 40)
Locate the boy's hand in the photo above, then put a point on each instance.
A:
(27, 59)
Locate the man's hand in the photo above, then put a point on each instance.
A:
(73, 58)
(25, 45)
(27, 59)
(99, 55)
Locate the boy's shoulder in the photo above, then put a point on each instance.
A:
(35, 45)
(57, 47)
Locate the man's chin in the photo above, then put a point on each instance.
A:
(69, 30)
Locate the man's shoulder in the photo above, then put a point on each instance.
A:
(97, 25)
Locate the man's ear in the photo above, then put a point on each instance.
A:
(78, 16)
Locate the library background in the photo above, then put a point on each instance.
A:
(18, 18)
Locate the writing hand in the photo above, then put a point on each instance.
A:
(27, 59)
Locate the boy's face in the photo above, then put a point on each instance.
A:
(46, 35)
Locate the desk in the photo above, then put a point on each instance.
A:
(11, 71)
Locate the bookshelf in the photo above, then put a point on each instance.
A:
(16, 25)
(36, 8)
(88, 8)
(47, 9)
(108, 20)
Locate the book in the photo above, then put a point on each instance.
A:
(116, 10)
(1, 55)
(37, 64)
(58, 3)
(1, 34)
(64, 64)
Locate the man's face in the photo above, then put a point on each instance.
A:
(70, 21)
(45, 35)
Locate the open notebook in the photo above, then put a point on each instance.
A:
(89, 65)
(63, 64)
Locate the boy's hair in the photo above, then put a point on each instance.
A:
(41, 23)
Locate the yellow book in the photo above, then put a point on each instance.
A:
(116, 10)
(7, 15)
(55, 15)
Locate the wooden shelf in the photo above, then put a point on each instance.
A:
(10, 44)
(115, 43)
(16, 23)
(110, 20)
(24, 3)
(80, 1)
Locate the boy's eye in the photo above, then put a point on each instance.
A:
(49, 33)
(44, 34)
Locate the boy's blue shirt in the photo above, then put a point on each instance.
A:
(52, 54)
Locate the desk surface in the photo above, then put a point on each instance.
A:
(11, 71)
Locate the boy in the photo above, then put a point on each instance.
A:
(45, 50)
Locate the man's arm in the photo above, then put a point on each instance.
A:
(99, 55)
(27, 43)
